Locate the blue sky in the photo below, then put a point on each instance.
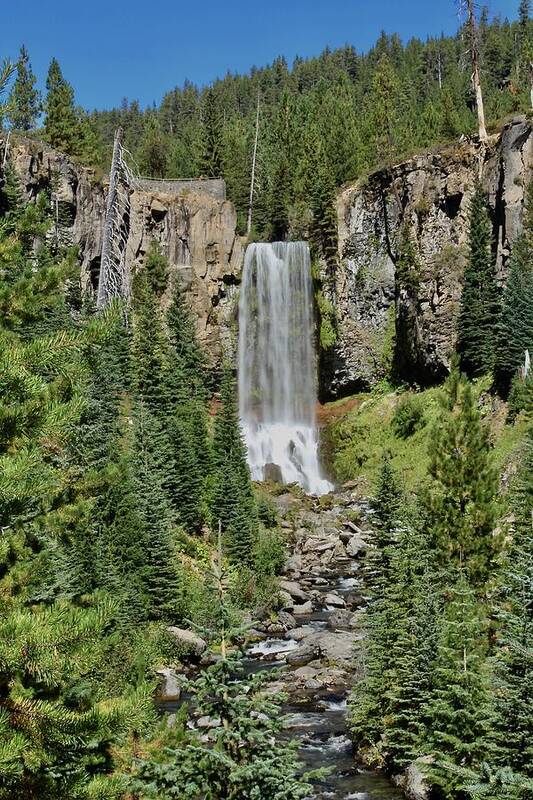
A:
(110, 49)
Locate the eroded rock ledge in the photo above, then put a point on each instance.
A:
(433, 190)
(193, 222)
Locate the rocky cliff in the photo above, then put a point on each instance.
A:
(385, 321)
(194, 223)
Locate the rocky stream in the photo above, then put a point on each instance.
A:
(310, 641)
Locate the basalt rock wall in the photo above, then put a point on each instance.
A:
(383, 321)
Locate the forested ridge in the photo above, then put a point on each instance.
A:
(321, 121)
(131, 534)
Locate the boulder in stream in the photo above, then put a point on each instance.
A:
(189, 641)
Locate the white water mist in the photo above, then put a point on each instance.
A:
(277, 384)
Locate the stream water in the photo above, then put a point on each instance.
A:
(316, 719)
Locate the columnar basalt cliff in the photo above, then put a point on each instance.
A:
(193, 222)
(387, 319)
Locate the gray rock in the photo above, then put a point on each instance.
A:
(318, 545)
(413, 780)
(294, 589)
(285, 600)
(303, 608)
(355, 546)
(272, 473)
(343, 618)
(304, 631)
(188, 640)
(312, 683)
(305, 672)
(208, 722)
(294, 563)
(333, 599)
(170, 689)
(286, 620)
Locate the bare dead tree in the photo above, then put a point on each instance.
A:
(252, 179)
(114, 280)
(468, 9)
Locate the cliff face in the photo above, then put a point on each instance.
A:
(381, 320)
(193, 222)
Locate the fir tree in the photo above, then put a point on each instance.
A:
(461, 496)
(211, 163)
(152, 150)
(459, 711)
(515, 329)
(61, 122)
(24, 100)
(233, 503)
(384, 94)
(161, 576)
(480, 298)
(243, 757)
(513, 661)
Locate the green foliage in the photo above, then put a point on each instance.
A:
(61, 124)
(461, 496)
(459, 709)
(328, 321)
(515, 329)
(326, 120)
(156, 266)
(242, 755)
(408, 416)
(233, 505)
(25, 99)
(153, 149)
(479, 313)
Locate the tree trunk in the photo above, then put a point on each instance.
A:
(474, 55)
(252, 179)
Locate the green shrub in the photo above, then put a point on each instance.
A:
(267, 512)
(408, 417)
(521, 391)
(269, 553)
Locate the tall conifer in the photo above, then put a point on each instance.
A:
(25, 99)
(479, 312)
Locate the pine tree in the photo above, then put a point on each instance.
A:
(161, 575)
(24, 100)
(241, 758)
(515, 329)
(513, 661)
(233, 502)
(211, 164)
(461, 497)
(385, 91)
(152, 150)
(479, 312)
(389, 505)
(61, 122)
(459, 711)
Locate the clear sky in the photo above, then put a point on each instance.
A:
(110, 49)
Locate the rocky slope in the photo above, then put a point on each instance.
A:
(194, 223)
(430, 193)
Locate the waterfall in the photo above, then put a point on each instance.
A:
(277, 384)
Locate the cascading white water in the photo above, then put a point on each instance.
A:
(277, 385)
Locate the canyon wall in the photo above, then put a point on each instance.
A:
(383, 322)
(193, 222)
